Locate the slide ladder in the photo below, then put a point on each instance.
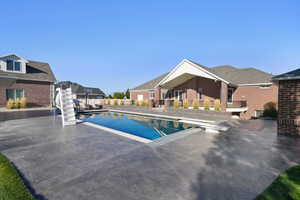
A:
(65, 104)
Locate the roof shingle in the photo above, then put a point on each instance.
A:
(37, 71)
(233, 75)
(150, 84)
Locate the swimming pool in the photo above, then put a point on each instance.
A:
(146, 127)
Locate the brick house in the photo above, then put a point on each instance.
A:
(25, 78)
(288, 103)
(242, 92)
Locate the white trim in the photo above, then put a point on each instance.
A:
(285, 78)
(14, 66)
(140, 90)
(255, 113)
(13, 54)
(255, 84)
(194, 65)
(15, 93)
(208, 72)
(237, 109)
(150, 93)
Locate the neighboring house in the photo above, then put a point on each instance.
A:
(289, 103)
(82, 93)
(26, 78)
(242, 92)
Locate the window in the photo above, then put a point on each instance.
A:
(200, 93)
(19, 94)
(178, 94)
(10, 65)
(13, 66)
(259, 113)
(14, 94)
(230, 95)
(152, 94)
(17, 66)
(140, 97)
(10, 94)
(164, 95)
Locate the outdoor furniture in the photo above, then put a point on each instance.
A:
(98, 106)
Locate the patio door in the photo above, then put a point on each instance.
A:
(230, 95)
(178, 94)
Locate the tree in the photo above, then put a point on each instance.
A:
(127, 94)
(118, 95)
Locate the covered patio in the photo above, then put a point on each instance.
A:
(190, 82)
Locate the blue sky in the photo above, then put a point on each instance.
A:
(116, 45)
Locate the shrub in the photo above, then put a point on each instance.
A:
(17, 103)
(270, 110)
(206, 104)
(122, 103)
(132, 102)
(115, 102)
(196, 104)
(10, 104)
(145, 103)
(23, 102)
(185, 103)
(176, 104)
(217, 105)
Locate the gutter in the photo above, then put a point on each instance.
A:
(285, 78)
(27, 79)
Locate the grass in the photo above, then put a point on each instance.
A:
(11, 185)
(285, 187)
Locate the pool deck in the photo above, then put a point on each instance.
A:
(81, 162)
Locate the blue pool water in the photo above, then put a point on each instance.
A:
(149, 128)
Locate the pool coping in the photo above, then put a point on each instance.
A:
(209, 125)
(149, 115)
(162, 116)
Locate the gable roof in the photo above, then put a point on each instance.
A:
(233, 75)
(35, 71)
(79, 89)
(292, 75)
(238, 76)
(151, 84)
(13, 56)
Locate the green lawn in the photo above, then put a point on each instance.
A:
(285, 187)
(11, 184)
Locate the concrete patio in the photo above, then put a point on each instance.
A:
(80, 162)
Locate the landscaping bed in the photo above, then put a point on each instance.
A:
(11, 185)
(285, 187)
